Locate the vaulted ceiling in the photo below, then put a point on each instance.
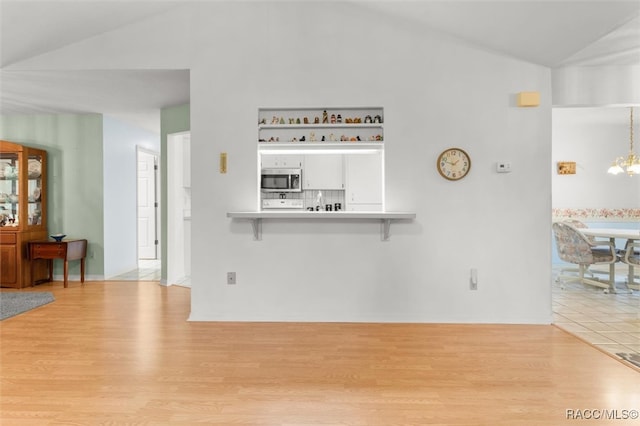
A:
(545, 32)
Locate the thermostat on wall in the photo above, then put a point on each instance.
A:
(503, 167)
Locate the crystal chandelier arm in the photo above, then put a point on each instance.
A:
(631, 163)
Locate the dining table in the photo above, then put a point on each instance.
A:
(613, 234)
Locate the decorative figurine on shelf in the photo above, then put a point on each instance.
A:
(378, 137)
(377, 119)
(358, 138)
(298, 120)
(312, 137)
(325, 117)
(322, 138)
(294, 140)
(281, 120)
(306, 120)
(303, 139)
(333, 119)
(316, 120)
(319, 200)
(263, 121)
(274, 120)
(348, 120)
(357, 120)
(343, 138)
(339, 118)
(292, 121)
(368, 119)
(4, 217)
(332, 137)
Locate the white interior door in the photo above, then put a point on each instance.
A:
(147, 205)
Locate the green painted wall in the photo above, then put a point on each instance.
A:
(75, 176)
(172, 120)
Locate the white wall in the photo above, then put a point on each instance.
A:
(120, 177)
(593, 138)
(179, 208)
(436, 94)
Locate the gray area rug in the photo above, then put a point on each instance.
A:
(12, 304)
(633, 358)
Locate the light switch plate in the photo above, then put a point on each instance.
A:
(503, 167)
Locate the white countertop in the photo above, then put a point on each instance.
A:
(256, 217)
(305, 214)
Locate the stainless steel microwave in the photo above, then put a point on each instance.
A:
(281, 180)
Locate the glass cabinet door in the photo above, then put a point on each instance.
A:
(34, 189)
(9, 189)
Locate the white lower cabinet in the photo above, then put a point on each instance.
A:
(353, 207)
(364, 182)
(323, 171)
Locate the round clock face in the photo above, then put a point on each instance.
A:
(454, 163)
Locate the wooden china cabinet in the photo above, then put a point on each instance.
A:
(23, 212)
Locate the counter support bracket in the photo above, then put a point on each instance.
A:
(256, 224)
(386, 229)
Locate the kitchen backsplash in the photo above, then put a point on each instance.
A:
(310, 196)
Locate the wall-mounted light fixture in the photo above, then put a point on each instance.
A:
(529, 99)
(223, 162)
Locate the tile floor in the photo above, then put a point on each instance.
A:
(611, 322)
(148, 270)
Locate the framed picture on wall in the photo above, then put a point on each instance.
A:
(566, 167)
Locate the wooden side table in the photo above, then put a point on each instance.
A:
(65, 250)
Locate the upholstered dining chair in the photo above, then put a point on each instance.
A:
(632, 258)
(574, 247)
(579, 225)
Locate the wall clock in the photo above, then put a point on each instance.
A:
(453, 163)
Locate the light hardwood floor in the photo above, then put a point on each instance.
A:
(124, 353)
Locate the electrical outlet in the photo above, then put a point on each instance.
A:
(473, 280)
(231, 278)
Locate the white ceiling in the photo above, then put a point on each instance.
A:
(551, 33)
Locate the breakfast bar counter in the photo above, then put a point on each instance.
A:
(385, 218)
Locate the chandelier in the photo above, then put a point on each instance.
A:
(631, 163)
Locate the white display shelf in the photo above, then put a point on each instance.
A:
(277, 146)
(385, 218)
(291, 126)
(322, 126)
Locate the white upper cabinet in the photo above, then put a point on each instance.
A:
(323, 171)
(269, 161)
(364, 179)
